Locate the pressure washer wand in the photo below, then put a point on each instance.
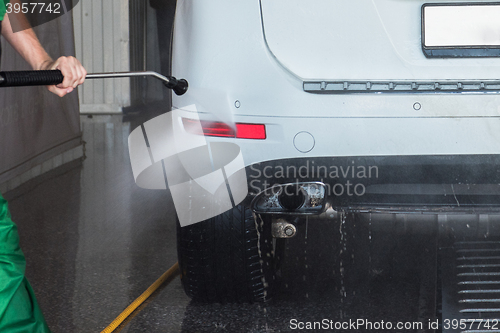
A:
(46, 78)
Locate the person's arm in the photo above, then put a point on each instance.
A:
(28, 46)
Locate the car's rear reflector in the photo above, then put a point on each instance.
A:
(220, 129)
(250, 131)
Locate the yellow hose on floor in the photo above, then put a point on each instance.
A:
(172, 271)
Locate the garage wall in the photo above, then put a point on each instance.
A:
(102, 45)
(39, 131)
(144, 52)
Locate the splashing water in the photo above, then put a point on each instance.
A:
(305, 252)
(256, 218)
(343, 248)
(370, 238)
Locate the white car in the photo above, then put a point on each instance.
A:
(368, 105)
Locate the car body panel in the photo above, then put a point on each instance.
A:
(362, 39)
(246, 62)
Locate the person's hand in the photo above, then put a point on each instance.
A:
(72, 70)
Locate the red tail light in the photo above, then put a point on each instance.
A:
(220, 129)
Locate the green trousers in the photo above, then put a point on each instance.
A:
(19, 310)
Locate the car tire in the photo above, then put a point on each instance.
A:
(229, 258)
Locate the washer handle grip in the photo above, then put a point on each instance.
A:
(30, 78)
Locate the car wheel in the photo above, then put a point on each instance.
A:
(228, 258)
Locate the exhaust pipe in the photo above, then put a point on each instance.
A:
(292, 198)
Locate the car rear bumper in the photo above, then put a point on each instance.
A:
(456, 183)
